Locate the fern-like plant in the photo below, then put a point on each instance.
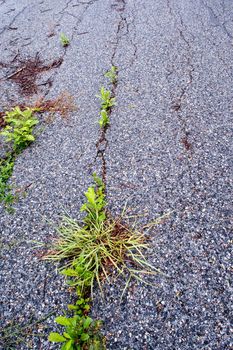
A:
(19, 128)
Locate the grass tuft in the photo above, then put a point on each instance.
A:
(99, 245)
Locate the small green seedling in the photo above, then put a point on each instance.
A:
(94, 207)
(64, 40)
(112, 74)
(104, 119)
(106, 100)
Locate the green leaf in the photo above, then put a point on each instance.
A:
(87, 307)
(69, 345)
(62, 321)
(66, 335)
(30, 137)
(69, 272)
(85, 336)
(90, 194)
(72, 307)
(87, 322)
(56, 338)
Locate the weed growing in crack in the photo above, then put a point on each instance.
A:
(64, 40)
(81, 331)
(93, 248)
(96, 249)
(18, 132)
(104, 120)
(106, 100)
(96, 203)
(6, 170)
(19, 128)
(112, 75)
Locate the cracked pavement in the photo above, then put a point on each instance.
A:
(169, 150)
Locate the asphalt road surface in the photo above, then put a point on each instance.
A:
(168, 152)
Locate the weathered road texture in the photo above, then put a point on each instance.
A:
(168, 151)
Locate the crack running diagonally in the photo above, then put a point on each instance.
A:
(216, 20)
(12, 21)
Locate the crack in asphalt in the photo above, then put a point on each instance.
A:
(177, 106)
(102, 143)
(27, 41)
(9, 11)
(211, 39)
(91, 2)
(133, 41)
(64, 8)
(79, 18)
(7, 27)
(215, 18)
(121, 24)
(62, 13)
(177, 110)
(123, 29)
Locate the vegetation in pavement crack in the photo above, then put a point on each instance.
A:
(112, 75)
(99, 245)
(64, 40)
(19, 128)
(6, 170)
(18, 132)
(104, 120)
(81, 331)
(95, 250)
(107, 101)
(98, 249)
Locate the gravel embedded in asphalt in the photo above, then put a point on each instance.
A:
(169, 151)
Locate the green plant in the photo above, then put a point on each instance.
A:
(6, 169)
(19, 128)
(104, 119)
(18, 131)
(112, 74)
(81, 331)
(64, 40)
(95, 204)
(106, 100)
(97, 245)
